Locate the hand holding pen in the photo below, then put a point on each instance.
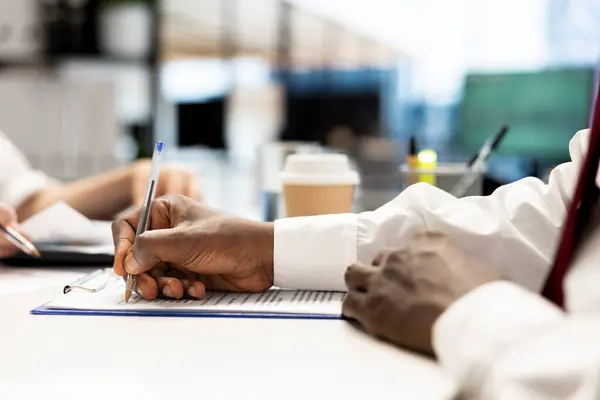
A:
(146, 208)
(11, 239)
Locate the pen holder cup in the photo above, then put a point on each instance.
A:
(445, 176)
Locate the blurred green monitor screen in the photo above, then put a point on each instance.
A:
(544, 110)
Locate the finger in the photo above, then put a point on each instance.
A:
(176, 273)
(196, 290)
(170, 287)
(146, 287)
(186, 283)
(358, 275)
(158, 271)
(194, 284)
(8, 216)
(179, 272)
(152, 248)
(125, 226)
(123, 232)
(353, 306)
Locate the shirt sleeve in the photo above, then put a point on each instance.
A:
(503, 342)
(515, 229)
(18, 180)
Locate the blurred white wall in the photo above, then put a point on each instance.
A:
(19, 33)
(254, 117)
(447, 38)
(68, 130)
(129, 80)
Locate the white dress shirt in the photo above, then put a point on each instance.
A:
(501, 341)
(18, 180)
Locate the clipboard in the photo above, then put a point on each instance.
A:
(100, 280)
(53, 255)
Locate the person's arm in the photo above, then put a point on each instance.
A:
(29, 190)
(520, 221)
(104, 195)
(18, 180)
(502, 342)
(98, 197)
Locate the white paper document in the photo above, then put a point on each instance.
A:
(61, 224)
(109, 297)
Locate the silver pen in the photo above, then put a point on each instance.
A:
(19, 241)
(146, 208)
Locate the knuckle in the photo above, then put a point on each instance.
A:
(143, 243)
(142, 250)
(175, 202)
(176, 197)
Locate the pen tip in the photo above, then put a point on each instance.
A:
(127, 296)
(35, 253)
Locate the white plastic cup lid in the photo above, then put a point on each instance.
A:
(318, 169)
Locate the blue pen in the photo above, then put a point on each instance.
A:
(146, 207)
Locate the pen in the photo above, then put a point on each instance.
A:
(489, 146)
(477, 162)
(20, 241)
(411, 161)
(146, 208)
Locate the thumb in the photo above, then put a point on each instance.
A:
(152, 248)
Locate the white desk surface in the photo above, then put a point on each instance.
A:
(72, 357)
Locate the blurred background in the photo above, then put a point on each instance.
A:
(86, 85)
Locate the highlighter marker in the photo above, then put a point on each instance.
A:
(427, 161)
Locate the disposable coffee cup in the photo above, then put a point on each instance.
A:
(318, 184)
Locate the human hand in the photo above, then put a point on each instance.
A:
(8, 217)
(191, 246)
(174, 179)
(402, 294)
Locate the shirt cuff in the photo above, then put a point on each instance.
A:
(314, 252)
(481, 325)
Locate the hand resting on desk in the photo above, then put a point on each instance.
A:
(190, 248)
(401, 295)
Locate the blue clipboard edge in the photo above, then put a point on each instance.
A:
(42, 310)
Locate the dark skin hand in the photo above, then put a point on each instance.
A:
(190, 248)
(400, 296)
